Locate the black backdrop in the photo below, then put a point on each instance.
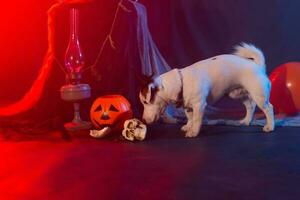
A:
(189, 30)
(184, 30)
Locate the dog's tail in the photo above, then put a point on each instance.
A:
(249, 51)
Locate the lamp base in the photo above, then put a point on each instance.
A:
(78, 126)
(76, 93)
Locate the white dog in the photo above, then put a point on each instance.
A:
(241, 76)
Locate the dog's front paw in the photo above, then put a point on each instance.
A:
(191, 134)
(245, 122)
(186, 127)
(268, 128)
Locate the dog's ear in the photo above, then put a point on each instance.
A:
(142, 79)
(154, 88)
(151, 92)
(148, 93)
(149, 85)
(158, 83)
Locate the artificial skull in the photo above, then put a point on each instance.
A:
(134, 129)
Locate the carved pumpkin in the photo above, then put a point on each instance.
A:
(111, 111)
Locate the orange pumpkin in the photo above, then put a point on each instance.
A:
(110, 110)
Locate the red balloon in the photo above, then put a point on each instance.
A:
(285, 92)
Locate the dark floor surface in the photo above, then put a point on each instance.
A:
(222, 163)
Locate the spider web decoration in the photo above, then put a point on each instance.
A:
(151, 59)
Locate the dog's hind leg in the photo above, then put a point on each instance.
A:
(267, 108)
(260, 93)
(198, 112)
(241, 93)
(250, 108)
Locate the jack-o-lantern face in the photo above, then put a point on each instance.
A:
(110, 110)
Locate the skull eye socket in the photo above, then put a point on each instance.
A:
(99, 108)
(129, 133)
(130, 125)
(113, 108)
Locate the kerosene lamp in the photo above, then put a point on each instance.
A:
(74, 91)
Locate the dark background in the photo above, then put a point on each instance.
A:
(184, 30)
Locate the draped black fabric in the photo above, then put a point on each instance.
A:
(190, 30)
(185, 31)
